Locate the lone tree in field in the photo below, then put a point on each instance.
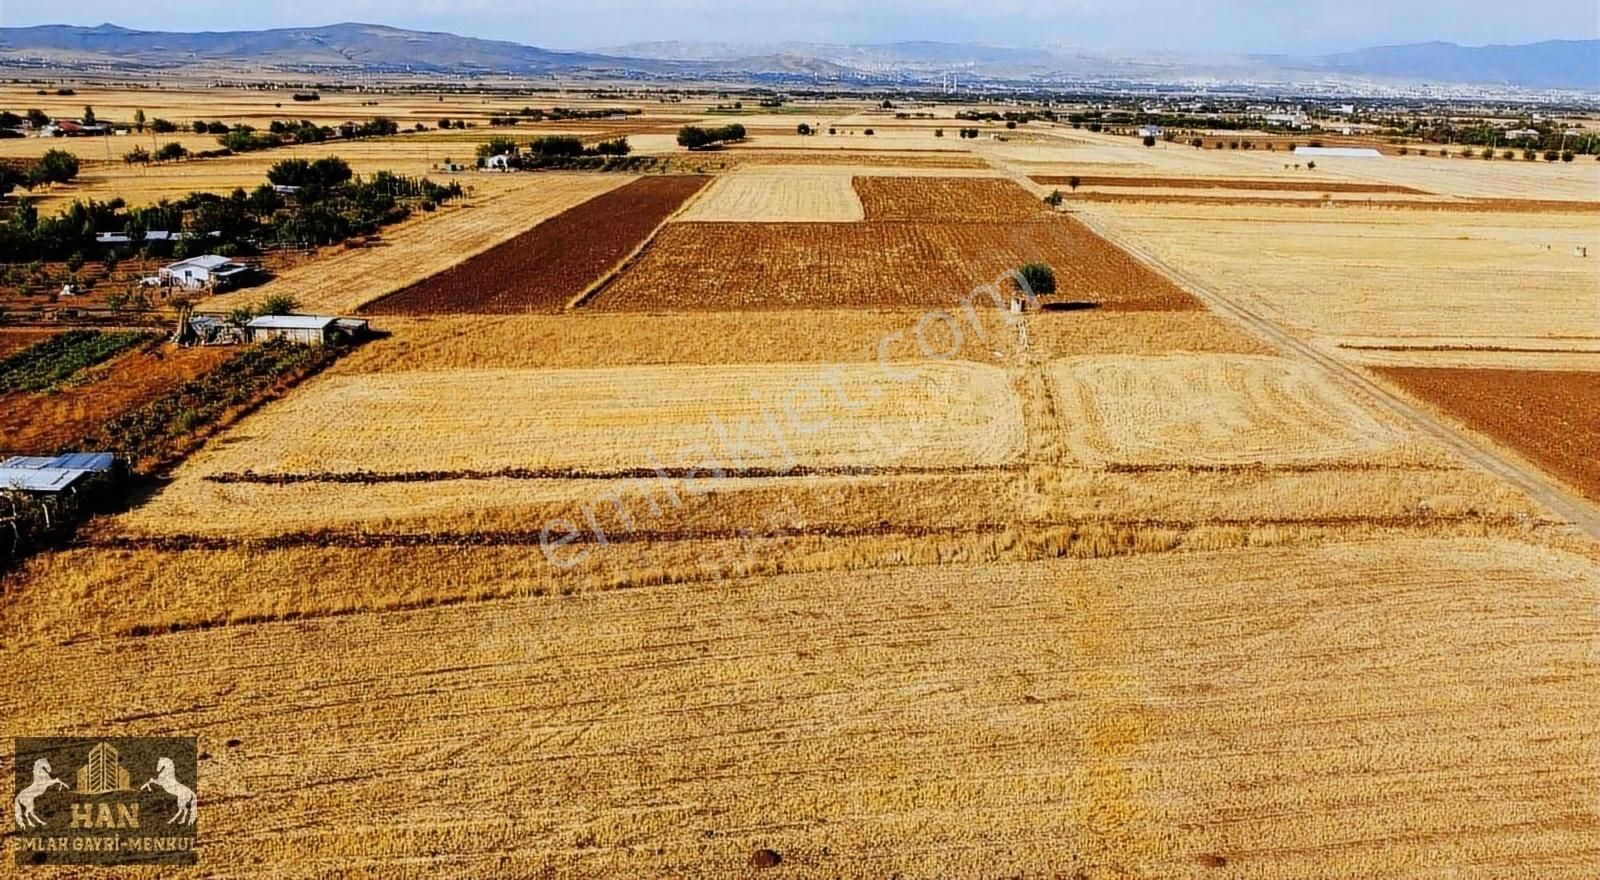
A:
(1149, 140)
(1040, 279)
(1054, 199)
(1074, 182)
(802, 129)
(55, 166)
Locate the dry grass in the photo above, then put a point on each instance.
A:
(1211, 410)
(772, 198)
(631, 417)
(932, 722)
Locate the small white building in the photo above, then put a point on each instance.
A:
(1519, 134)
(209, 272)
(306, 329)
(500, 162)
(1150, 131)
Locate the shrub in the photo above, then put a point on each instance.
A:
(1039, 278)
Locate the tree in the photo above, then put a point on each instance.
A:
(1567, 155)
(614, 147)
(162, 126)
(88, 115)
(1039, 278)
(938, 132)
(171, 152)
(1054, 199)
(137, 156)
(1149, 140)
(55, 166)
(1551, 155)
(803, 130)
(497, 146)
(37, 119)
(138, 120)
(279, 304)
(9, 119)
(869, 132)
(1074, 181)
(1311, 166)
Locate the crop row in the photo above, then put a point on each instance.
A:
(52, 361)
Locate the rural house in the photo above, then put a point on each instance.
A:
(211, 272)
(307, 329)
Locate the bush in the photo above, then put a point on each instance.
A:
(55, 166)
(279, 304)
(170, 152)
(1039, 278)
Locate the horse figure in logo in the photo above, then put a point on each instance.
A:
(167, 777)
(42, 782)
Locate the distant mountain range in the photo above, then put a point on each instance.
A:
(1572, 65)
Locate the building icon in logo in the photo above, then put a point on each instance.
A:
(103, 773)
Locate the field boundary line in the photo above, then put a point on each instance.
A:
(593, 290)
(1540, 487)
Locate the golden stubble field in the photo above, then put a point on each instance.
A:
(1106, 594)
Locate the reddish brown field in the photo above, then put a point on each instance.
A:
(1213, 183)
(938, 199)
(42, 422)
(546, 267)
(715, 266)
(1551, 416)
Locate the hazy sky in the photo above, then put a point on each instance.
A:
(1190, 25)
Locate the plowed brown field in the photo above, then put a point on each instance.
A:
(714, 266)
(1551, 416)
(546, 267)
(937, 199)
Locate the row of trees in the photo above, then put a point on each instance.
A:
(552, 151)
(330, 205)
(700, 138)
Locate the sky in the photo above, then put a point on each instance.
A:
(1272, 26)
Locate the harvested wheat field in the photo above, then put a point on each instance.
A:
(1085, 716)
(1551, 416)
(875, 264)
(778, 197)
(551, 264)
(947, 199)
(712, 417)
(1211, 410)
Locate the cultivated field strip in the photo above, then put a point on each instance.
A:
(875, 264)
(545, 268)
(1551, 416)
(1212, 409)
(947, 199)
(1362, 710)
(753, 416)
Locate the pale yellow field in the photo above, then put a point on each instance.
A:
(1398, 709)
(774, 198)
(627, 417)
(1212, 410)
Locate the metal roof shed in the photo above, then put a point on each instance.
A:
(309, 329)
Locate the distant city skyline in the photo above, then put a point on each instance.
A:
(1193, 26)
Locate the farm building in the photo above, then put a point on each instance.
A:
(499, 162)
(207, 272)
(1345, 152)
(307, 329)
(1150, 131)
(52, 474)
